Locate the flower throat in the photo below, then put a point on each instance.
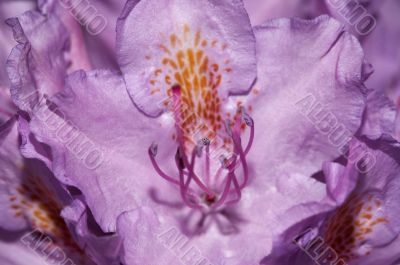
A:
(209, 192)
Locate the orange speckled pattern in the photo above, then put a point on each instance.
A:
(37, 203)
(352, 223)
(190, 62)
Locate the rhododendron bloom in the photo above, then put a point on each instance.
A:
(358, 221)
(197, 97)
(211, 140)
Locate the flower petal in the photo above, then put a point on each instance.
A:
(368, 220)
(9, 8)
(15, 253)
(261, 11)
(201, 45)
(10, 218)
(309, 96)
(379, 117)
(121, 183)
(7, 108)
(139, 232)
(99, 40)
(104, 148)
(36, 66)
(102, 248)
(30, 196)
(78, 55)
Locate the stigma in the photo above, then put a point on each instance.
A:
(208, 191)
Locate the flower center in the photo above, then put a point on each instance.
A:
(211, 191)
(350, 226)
(34, 201)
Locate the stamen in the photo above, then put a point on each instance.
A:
(192, 174)
(247, 119)
(226, 163)
(152, 154)
(176, 91)
(243, 161)
(250, 123)
(223, 161)
(237, 190)
(228, 129)
(184, 186)
(228, 182)
(207, 143)
(225, 194)
(153, 149)
(199, 149)
(238, 145)
(184, 193)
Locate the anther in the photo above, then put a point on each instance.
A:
(247, 119)
(249, 122)
(205, 141)
(223, 160)
(152, 154)
(153, 149)
(199, 148)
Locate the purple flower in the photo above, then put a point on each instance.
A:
(92, 27)
(208, 140)
(8, 8)
(357, 223)
(49, 47)
(217, 144)
(40, 215)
